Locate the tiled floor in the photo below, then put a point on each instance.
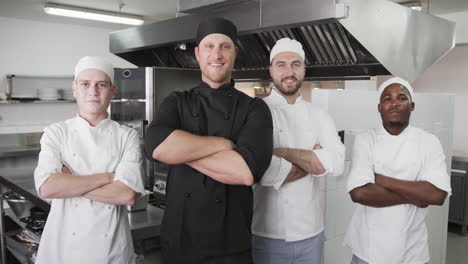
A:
(457, 249)
(153, 257)
(457, 246)
(152, 254)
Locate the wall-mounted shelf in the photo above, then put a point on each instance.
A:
(40, 76)
(28, 86)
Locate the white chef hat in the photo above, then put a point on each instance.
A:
(287, 44)
(95, 62)
(397, 80)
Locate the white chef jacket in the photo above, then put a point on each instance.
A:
(295, 211)
(395, 234)
(79, 230)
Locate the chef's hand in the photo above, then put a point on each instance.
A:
(317, 146)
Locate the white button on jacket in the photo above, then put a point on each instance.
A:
(79, 230)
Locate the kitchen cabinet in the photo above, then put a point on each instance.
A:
(458, 210)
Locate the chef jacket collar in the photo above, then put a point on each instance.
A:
(81, 122)
(204, 87)
(278, 100)
(383, 132)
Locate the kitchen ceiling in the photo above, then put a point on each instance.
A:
(153, 10)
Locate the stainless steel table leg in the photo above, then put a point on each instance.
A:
(2, 231)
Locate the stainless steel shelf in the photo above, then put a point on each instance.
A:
(37, 102)
(40, 76)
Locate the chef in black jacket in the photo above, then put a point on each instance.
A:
(219, 142)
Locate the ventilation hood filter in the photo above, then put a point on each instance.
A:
(351, 38)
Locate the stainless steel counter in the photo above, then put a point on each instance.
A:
(460, 156)
(144, 224)
(7, 152)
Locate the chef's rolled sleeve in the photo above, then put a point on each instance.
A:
(361, 172)
(332, 153)
(255, 141)
(276, 173)
(129, 170)
(435, 169)
(50, 159)
(165, 122)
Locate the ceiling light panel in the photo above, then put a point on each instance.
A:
(92, 14)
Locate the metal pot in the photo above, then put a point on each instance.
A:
(18, 204)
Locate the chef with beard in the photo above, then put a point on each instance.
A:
(288, 223)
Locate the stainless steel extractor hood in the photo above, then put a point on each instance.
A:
(342, 38)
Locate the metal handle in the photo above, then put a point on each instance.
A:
(9, 88)
(459, 171)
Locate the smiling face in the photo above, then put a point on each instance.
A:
(395, 106)
(216, 54)
(287, 71)
(93, 92)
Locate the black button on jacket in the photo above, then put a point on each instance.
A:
(203, 215)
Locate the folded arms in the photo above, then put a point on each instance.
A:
(387, 191)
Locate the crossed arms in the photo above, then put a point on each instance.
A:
(55, 181)
(303, 161)
(171, 140)
(98, 187)
(212, 156)
(324, 158)
(387, 191)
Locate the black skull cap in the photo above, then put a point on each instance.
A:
(212, 25)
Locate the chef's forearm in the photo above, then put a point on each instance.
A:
(418, 192)
(115, 193)
(295, 174)
(304, 159)
(65, 185)
(226, 166)
(181, 147)
(376, 196)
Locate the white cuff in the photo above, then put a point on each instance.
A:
(325, 160)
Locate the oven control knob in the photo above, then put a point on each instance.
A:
(160, 186)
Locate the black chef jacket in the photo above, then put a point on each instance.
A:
(204, 216)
